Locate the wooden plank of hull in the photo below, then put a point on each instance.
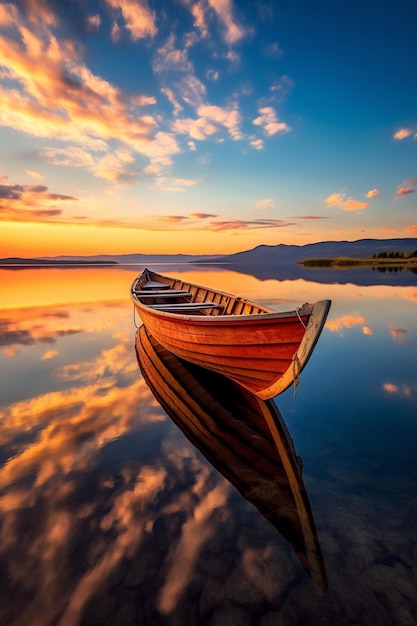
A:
(244, 437)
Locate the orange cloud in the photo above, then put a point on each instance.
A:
(58, 97)
(50, 354)
(30, 202)
(335, 199)
(402, 133)
(223, 8)
(346, 321)
(139, 21)
(367, 330)
(372, 193)
(405, 390)
(202, 216)
(404, 190)
(399, 335)
(407, 187)
(354, 205)
(338, 199)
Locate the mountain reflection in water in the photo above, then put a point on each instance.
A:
(245, 438)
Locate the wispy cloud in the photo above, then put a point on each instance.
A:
(311, 217)
(223, 225)
(199, 221)
(407, 187)
(203, 216)
(372, 193)
(135, 16)
(265, 203)
(224, 10)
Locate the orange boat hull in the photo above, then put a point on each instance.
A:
(263, 352)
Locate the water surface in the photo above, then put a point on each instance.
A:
(110, 515)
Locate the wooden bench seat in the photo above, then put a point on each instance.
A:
(179, 307)
(153, 284)
(146, 293)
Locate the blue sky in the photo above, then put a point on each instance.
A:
(209, 126)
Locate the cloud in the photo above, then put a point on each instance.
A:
(282, 87)
(28, 202)
(138, 19)
(268, 120)
(335, 199)
(372, 193)
(311, 217)
(346, 321)
(265, 203)
(202, 216)
(53, 95)
(229, 118)
(210, 121)
(405, 390)
(273, 50)
(354, 205)
(168, 58)
(176, 184)
(169, 222)
(225, 225)
(111, 167)
(213, 75)
(50, 354)
(349, 204)
(402, 191)
(408, 186)
(399, 335)
(256, 143)
(412, 229)
(402, 133)
(232, 32)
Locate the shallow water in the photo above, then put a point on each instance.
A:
(110, 515)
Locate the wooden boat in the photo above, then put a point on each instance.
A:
(243, 437)
(262, 350)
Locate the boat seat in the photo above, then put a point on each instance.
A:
(146, 293)
(153, 284)
(179, 307)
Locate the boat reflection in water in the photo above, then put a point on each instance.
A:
(243, 437)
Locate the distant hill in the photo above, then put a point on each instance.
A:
(18, 261)
(261, 255)
(282, 253)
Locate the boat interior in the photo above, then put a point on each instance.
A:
(175, 296)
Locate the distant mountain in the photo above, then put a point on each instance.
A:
(51, 262)
(282, 253)
(261, 255)
(132, 258)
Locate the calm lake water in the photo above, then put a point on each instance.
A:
(110, 515)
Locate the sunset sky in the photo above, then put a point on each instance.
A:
(205, 126)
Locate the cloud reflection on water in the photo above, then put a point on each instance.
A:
(102, 499)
